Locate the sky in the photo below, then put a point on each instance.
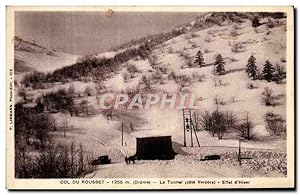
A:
(93, 32)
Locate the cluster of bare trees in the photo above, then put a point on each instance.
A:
(238, 47)
(216, 122)
(63, 101)
(220, 122)
(185, 80)
(31, 127)
(37, 156)
(53, 161)
(60, 100)
(34, 80)
(88, 67)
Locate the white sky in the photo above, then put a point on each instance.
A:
(93, 32)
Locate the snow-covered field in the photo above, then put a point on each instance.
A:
(101, 137)
(181, 167)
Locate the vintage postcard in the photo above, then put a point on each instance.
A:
(150, 97)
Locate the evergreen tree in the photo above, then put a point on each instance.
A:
(199, 59)
(219, 65)
(279, 74)
(251, 69)
(268, 71)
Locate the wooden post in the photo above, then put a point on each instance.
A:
(196, 134)
(184, 141)
(239, 153)
(191, 127)
(248, 126)
(122, 134)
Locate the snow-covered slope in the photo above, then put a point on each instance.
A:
(30, 56)
(263, 42)
(266, 42)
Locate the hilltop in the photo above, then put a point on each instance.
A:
(30, 56)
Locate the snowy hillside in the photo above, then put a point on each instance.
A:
(31, 56)
(170, 68)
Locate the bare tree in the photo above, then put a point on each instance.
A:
(275, 124)
(183, 80)
(80, 166)
(238, 47)
(72, 159)
(43, 123)
(231, 119)
(219, 101)
(245, 128)
(24, 164)
(52, 161)
(206, 121)
(219, 123)
(48, 161)
(280, 74)
(268, 97)
(63, 170)
(196, 121)
(64, 124)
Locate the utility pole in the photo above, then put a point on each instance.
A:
(188, 125)
(122, 134)
(239, 153)
(184, 140)
(196, 134)
(191, 127)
